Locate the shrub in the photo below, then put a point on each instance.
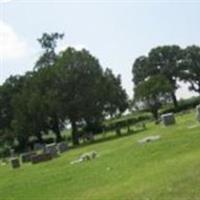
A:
(184, 104)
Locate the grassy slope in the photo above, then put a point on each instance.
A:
(167, 169)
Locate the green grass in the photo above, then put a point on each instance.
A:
(166, 169)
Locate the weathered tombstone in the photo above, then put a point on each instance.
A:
(149, 139)
(39, 147)
(41, 158)
(168, 119)
(12, 153)
(26, 157)
(51, 149)
(85, 157)
(15, 163)
(62, 147)
(198, 112)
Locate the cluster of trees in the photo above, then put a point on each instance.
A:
(157, 75)
(71, 87)
(65, 87)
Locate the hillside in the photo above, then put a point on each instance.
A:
(165, 169)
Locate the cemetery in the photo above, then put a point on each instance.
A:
(112, 164)
(41, 153)
(99, 100)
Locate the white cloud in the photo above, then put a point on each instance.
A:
(5, 1)
(11, 45)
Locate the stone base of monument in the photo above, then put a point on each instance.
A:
(15, 163)
(62, 147)
(198, 112)
(26, 157)
(168, 119)
(52, 150)
(41, 158)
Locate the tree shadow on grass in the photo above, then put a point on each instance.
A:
(106, 138)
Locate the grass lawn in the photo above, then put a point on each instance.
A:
(166, 169)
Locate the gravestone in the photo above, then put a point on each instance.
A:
(198, 112)
(149, 139)
(52, 150)
(39, 147)
(41, 158)
(85, 157)
(88, 137)
(12, 153)
(15, 163)
(26, 157)
(62, 147)
(168, 119)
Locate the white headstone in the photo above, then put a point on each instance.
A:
(149, 139)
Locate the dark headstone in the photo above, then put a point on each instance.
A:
(52, 150)
(62, 147)
(41, 158)
(168, 119)
(15, 163)
(26, 157)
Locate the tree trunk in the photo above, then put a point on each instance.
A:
(39, 137)
(128, 128)
(57, 130)
(155, 114)
(75, 137)
(174, 99)
(58, 134)
(23, 143)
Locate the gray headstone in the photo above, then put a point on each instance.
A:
(26, 157)
(51, 149)
(12, 153)
(62, 147)
(168, 119)
(15, 163)
(39, 147)
(198, 112)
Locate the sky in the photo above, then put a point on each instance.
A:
(116, 32)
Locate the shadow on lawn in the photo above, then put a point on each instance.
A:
(105, 138)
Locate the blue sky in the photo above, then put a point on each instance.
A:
(116, 32)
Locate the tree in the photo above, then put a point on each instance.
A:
(30, 112)
(11, 87)
(45, 81)
(140, 70)
(48, 42)
(165, 60)
(116, 98)
(80, 81)
(191, 67)
(153, 92)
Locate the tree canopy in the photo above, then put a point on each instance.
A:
(69, 86)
